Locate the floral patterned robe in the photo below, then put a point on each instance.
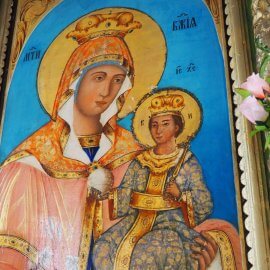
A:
(168, 244)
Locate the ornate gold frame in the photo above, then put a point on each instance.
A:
(5, 17)
(249, 150)
(230, 17)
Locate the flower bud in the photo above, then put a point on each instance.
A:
(253, 110)
(256, 85)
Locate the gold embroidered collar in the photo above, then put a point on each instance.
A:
(159, 163)
(89, 140)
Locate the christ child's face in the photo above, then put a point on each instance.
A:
(98, 88)
(163, 128)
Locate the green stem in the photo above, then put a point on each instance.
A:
(260, 45)
(265, 62)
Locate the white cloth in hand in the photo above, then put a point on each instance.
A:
(100, 179)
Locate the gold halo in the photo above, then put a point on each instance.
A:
(191, 113)
(146, 45)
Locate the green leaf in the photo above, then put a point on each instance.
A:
(242, 92)
(260, 128)
(254, 132)
(267, 79)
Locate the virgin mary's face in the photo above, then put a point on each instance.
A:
(163, 128)
(98, 89)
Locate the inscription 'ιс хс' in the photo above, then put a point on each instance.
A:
(184, 21)
(191, 67)
(32, 54)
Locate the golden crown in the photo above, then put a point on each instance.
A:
(112, 24)
(167, 104)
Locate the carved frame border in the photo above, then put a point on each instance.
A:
(6, 8)
(250, 166)
(250, 153)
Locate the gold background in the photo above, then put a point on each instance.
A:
(146, 45)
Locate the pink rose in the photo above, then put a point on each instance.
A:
(256, 85)
(253, 110)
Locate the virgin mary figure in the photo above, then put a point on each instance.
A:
(47, 180)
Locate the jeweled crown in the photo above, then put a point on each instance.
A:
(112, 24)
(167, 104)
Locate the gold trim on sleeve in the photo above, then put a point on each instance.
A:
(87, 232)
(15, 157)
(190, 210)
(20, 245)
(225, 248)
(98, 221)
(115, 204)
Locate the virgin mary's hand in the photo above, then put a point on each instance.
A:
(205, 250)
(100, 182)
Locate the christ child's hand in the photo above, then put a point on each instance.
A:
(173, 190)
